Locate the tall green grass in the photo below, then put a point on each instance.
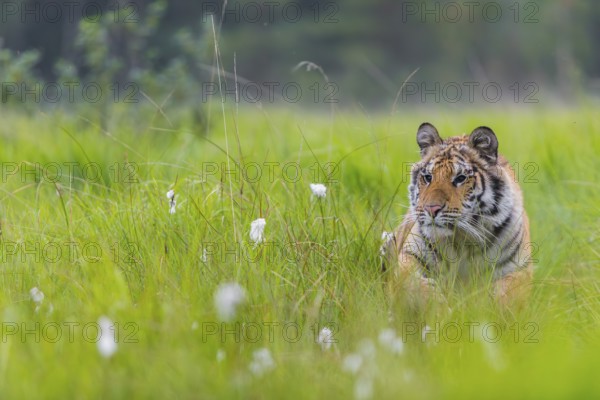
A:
(155, 273)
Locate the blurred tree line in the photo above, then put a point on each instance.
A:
(365, 49)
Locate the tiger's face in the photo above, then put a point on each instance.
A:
(448, 185)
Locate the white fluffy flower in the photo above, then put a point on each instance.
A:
(257, 228)
(262, 362)
(367, 348)
(389, 340)
(228, 298)
(325, 338)
(387, 238)
(352, 363)
(363, 388)
(172, 201)
(107, 342)
(318, 189)
(36, 295)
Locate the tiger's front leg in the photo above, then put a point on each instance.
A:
(514, 288)
(407, 283)
(405, 280)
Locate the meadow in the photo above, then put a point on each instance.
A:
(86, 220)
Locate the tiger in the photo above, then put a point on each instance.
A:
(466, 217)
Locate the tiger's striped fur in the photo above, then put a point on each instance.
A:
(466, 213)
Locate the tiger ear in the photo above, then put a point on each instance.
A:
(484, 140)
(427, 136)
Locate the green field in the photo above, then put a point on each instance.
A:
(85, 219)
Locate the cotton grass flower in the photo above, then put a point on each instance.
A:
(352, 363)
(325, 338)
(363, 365)
(37, 296)
(389, 340)
(319, 190)
(107, 342)
(262, 362)
(367, 348)
(257, 228)
(228, 298)
(387, 238)
(172, 201)
(363, 388)
(355, 362)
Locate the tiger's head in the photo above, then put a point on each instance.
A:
(450, 188)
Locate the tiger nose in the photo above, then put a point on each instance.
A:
(433, 209)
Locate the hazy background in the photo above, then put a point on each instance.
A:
(105, 107)
(465, 52)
